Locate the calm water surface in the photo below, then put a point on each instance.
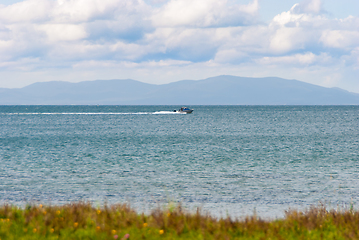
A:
(225, 159)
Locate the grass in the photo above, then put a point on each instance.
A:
(83, 221)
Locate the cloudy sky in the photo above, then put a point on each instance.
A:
(162, 41)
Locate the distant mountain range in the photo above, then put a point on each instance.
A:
(220, 90)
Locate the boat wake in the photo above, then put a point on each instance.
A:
(97, 113)
(168, 112)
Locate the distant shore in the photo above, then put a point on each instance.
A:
(82, 220)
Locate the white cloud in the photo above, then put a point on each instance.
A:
(26, 11)
(288, 39)
(204, 13)
(63, 32)
(5, 46)
(297, 60)
(229, 55)
(340, 38)
(352, 59)
(293, 19)
(126, 64)
(175, 39)
(308, 6)
(24, 64)
(296, 30)
(88, 10)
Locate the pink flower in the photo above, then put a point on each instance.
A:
(115, 237)
(127, 236)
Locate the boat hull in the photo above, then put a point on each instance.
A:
(185, 111)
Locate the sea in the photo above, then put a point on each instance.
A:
(231, 161)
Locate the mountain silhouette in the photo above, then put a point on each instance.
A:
(220, 90)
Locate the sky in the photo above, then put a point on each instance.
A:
(163, 41)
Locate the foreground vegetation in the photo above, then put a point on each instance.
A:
(83, 221)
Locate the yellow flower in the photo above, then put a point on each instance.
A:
(58, 212)
(98, 228)
(98, 211)
(76, 224)
(52, 230)
(34, 230)
(40, 206)
(45, 212)
(113, 232)
(161, 231)
(145, 225)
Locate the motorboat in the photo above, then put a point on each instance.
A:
(184, 110)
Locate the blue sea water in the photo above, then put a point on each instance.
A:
(225, 159)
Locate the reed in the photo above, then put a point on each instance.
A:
(82, 220)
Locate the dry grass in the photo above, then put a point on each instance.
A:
(83, 221)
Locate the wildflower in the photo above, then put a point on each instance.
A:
(34, 230)
(113, 232)
(145, 225)
(98, 211)
(161, 231)
(58, 212)
(98, 228)
(40, 206)
(52, 230)
(168, 214)
(127, 236)
(76, 224)
(45, 212)
(115, 237)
